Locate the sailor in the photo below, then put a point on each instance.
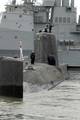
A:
(51, 60)
(32, 57)
(50, 28)
(46, 28)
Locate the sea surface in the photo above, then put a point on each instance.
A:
(60, 103)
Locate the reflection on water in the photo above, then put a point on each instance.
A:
(62, 103)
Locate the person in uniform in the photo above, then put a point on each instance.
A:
(32, 57)
(51, 60)
(50, 28)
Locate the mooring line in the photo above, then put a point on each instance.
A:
(55, 85)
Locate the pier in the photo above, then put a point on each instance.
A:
(11, 77)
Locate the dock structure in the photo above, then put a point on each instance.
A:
(11, 77)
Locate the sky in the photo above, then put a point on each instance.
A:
(3, 2)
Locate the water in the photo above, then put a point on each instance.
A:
(61, 103)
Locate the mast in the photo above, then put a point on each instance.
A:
(29, 1)
(72, 3)
(13, 2)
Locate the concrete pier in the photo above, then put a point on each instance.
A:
(11, 77)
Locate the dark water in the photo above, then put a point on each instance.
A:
(61, 103)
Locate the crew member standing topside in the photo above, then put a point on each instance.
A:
(32, 57)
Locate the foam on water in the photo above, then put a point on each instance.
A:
(30, 88)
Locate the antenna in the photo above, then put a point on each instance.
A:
(21, 51)
(13, 2)
(9, 2)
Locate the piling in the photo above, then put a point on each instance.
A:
(11, 77)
